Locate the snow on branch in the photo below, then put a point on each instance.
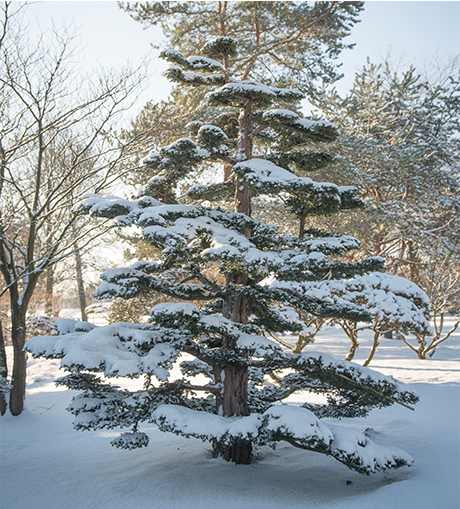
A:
(393, 301)
(318, 130)
(193, 62)
(115, 350)
(220, 47)
(176, 74)
(239, 93)
(266, 177)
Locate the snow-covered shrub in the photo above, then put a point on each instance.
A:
(396, 305)
(40, 324)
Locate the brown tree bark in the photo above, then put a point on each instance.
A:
(352, 350)
(244, 152)
(227, 170)
(302, 227)
(234, 401)
(350, 330)
(375, 344)
(18, 304)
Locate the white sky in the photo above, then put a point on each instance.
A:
(415, 31)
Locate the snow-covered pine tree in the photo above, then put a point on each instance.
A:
(395, 304)
(240, 269)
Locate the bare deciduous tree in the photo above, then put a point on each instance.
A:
(441, 279)
(50, 112)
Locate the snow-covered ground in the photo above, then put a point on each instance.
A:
(45, 464)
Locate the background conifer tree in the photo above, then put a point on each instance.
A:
(283, 43)
(399, 140)
(287, 43)
(248, 276)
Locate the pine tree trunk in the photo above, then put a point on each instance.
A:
(302, 227)
(3, 368)
(235, 389)
(421, 355)
(375, 344)
(227, 171)
(351, 352)
(234, 401)
(240, 453)
(244, 152)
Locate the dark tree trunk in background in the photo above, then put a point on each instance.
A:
(80, 285)
(3, 368)
(18, 379)
(49, 292)
(302, 227)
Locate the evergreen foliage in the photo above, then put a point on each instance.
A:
(399, 142)
(244, 272)
(298, 42)
(287, 42)
(400, 131)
